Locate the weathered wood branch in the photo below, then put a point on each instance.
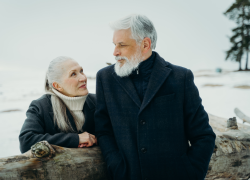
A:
(68, 163)
(242, 116)
(230, 160)
(231, 157)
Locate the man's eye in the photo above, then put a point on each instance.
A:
(73, 74)
(81, 71)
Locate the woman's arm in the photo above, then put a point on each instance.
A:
(33, 130)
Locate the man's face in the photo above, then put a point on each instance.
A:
(125, 46)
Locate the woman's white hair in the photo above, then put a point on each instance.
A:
(54, 74)
(140, 27)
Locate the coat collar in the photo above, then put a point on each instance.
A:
(89, 105)
(129, 88)
(159, 74)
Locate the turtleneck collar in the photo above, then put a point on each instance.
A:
(73, 103)
(145, 66)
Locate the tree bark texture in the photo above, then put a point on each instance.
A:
(246, 68)
(231, 157)
(230, 160)
(67, 164)
(240, 65)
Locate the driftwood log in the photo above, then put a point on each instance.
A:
(230, 160)
(242, 116)
(67, 164)
(231, 157)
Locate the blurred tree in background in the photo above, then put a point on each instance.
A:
(239, 12)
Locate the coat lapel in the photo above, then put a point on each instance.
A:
(89, 102)
(129, 88)
(159, 74)
(88, 107)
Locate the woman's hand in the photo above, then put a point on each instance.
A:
(86, 140)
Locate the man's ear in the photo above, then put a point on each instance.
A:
(57, 86)
(146, 43)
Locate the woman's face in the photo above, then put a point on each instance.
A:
(74, 81)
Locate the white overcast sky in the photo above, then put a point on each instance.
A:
(191, 33)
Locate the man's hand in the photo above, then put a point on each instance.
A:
(86, 140)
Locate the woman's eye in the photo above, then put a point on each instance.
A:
(81, 71)
(73, 74)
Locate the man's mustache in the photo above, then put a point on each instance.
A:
(117, 58)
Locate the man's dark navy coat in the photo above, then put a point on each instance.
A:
(149, 139)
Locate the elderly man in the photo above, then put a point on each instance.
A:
(148, 110)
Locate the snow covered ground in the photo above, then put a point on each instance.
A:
(18, 88)
(222, 92)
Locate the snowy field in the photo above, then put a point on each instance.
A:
(220, 92)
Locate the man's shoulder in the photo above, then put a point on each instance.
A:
(106, 70)
(175, 69)
(178, 72)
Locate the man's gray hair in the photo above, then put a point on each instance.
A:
(140, 27)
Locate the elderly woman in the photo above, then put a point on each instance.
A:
(64, 116)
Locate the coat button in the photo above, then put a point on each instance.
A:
(143, 122)
(143, 150)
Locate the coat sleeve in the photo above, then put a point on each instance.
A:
(33, 131)
(103, 128)
(199, 132)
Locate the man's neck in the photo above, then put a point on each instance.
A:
(147, 55)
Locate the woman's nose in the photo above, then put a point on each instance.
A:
(82, 77)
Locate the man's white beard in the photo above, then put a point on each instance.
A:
(129, 65)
